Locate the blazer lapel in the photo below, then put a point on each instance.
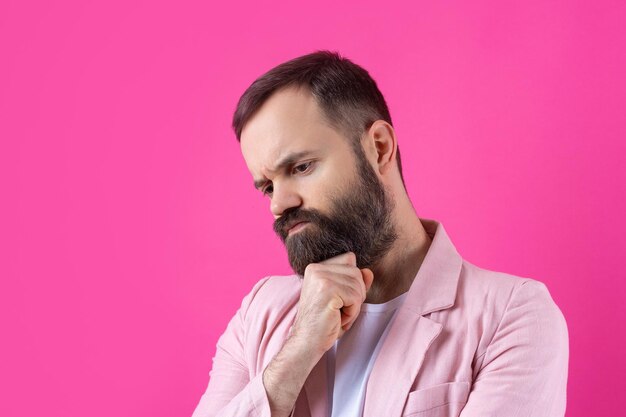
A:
(398, 363)
(411, 334)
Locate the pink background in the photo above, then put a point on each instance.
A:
(130, 227)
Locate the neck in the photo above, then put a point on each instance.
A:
(394, 274)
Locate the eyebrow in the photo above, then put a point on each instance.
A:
(289, 159)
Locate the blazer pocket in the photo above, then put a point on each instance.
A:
(444, 400)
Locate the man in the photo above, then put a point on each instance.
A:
(383, 317)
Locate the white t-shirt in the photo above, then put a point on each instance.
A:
(352, 357)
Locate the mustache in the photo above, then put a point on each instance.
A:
(295, 215)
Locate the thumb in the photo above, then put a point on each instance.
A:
(368, 278)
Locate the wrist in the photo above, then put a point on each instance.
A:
(303, 350)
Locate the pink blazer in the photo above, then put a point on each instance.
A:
(466, 342)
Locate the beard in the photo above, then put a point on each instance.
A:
(359, 221)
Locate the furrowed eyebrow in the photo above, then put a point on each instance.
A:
(258, 184)
(288, 160)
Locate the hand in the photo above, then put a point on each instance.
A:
(330, 301)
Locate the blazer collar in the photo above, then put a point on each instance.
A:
(434, 286)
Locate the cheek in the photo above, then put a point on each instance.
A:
(313, 187)
(324, 186)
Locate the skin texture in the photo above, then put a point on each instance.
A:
(333, 290)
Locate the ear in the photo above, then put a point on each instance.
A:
(383, 144)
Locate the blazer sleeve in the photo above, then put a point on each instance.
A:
(524, 369)
(231, 391)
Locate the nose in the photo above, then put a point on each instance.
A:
(284, 197)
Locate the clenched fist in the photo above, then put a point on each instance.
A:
(330, 301)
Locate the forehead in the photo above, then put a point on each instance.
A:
(290, 121)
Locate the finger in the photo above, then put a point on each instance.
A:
(348, 258)
(344, 294)
(345, 275)
(349, 313)
(368, 278)
(349, 284)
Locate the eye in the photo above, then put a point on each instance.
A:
(267, 191)
(302, 168)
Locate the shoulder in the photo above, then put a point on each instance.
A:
(503, 303)
(271, 295)
(479, 286)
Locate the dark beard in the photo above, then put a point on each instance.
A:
(359, 222)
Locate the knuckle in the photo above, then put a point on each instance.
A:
(351, 296)
(355, 273)
(324, 284)
(311, 268)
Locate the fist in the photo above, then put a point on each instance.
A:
(330, 300)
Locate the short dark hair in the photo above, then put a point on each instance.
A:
(347, 95)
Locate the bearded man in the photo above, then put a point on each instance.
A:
(382, 316)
